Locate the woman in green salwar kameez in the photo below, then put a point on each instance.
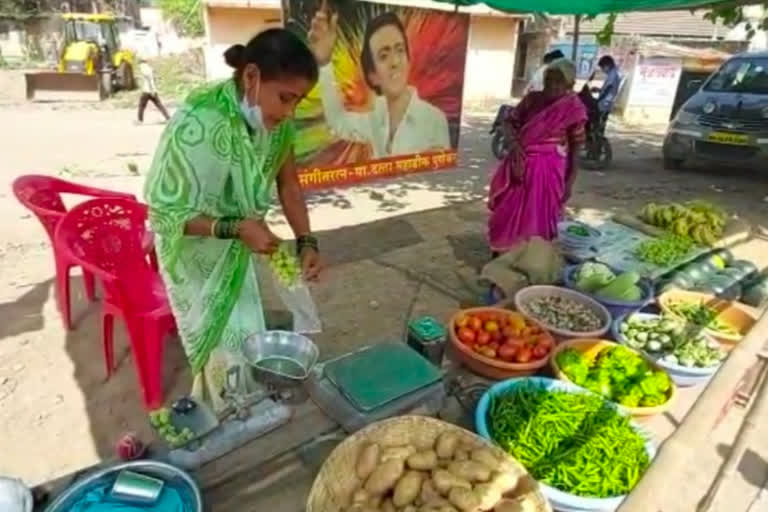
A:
(209, 189)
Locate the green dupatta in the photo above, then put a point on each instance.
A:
(209, 163)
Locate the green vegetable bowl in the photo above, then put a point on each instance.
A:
(734, 321)
(589, 351)
(560, 500)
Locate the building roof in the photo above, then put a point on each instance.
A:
(678, 24)
(655, 48)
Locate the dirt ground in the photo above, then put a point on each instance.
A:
(395, 249)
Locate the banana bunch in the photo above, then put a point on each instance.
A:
(698, 221)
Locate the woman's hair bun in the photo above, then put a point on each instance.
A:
(235, 55)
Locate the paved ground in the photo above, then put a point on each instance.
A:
(58, 414)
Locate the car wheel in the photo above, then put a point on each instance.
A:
(673, 164)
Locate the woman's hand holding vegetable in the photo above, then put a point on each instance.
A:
(256, 235)
(311, 264)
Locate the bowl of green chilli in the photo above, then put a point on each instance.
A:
(586, 454)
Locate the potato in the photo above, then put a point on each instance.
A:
(504, 482)
(465, 500)
(428, 492)
(422, 461)
(410, 508)
(444, 481)
(470, 470)
(367, 460)
(488, 494)
(361, 496)
(485, 456)
(507, 505)
(388, 506)
(359, 507)
(407, 488)
(446, 445)
(397, 452)
(385, 476)
(374, 502)
(442, 508)
(460, 455)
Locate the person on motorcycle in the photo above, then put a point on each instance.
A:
(537, 81)
(533, 182)
(608, 93)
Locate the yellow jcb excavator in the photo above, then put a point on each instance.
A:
(91, 60)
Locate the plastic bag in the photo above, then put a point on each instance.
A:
(14, 496)
(294, 292)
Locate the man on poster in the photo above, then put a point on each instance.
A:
(400, 122)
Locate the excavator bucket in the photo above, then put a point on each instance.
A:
(55, 86)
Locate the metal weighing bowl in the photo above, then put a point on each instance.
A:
(172, 476)
(281, 359)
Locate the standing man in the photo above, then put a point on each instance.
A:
(537, 81)
(610, 89)
(149, 90)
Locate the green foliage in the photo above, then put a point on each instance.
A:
(186, 15)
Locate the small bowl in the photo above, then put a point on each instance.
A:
(728, 311)
(683, 376)
(281, 353)
(559, 500)
(524, 296)
(492, 368)
(592, 348)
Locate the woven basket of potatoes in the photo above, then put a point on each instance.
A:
(421, 464)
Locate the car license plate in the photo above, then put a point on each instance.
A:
(729, 138)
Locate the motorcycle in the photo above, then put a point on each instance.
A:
(596, 153)
(499, 146)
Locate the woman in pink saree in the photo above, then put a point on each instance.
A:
(532, 184)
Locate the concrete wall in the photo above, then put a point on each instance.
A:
(490, 58)
(226, 26)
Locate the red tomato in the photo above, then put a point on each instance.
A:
(496, 337)
(540, 352)
(494, 345)
(507, 352)
(508, 332)
(546, 341)
(467, 336)
(475, 323)
(483, 338)
(523, 355)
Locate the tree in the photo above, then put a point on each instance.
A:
(186, 16)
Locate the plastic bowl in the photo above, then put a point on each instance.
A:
(492, 368)
(573, 241)
(558, 499)
(524, 296)
(728, 311)
(683, 376)
(592, 348)
(616, 307)
(172, 476)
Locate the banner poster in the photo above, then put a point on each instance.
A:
(388, 100)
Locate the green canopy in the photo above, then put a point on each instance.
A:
(589, 7)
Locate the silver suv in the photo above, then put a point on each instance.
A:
(727, 119)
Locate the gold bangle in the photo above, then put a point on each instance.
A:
(213, 227)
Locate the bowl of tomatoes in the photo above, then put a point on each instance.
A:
(499, 343)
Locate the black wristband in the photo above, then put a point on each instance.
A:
(305, 241)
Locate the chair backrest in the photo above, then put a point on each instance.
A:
(105, 236)
(42, 195)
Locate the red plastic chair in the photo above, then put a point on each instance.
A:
(42, 195)
(104, 236)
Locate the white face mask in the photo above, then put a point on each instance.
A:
(252, 113)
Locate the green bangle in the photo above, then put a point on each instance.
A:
(227, 228)
(305, 241)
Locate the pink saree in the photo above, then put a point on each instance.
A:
(532, 204)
